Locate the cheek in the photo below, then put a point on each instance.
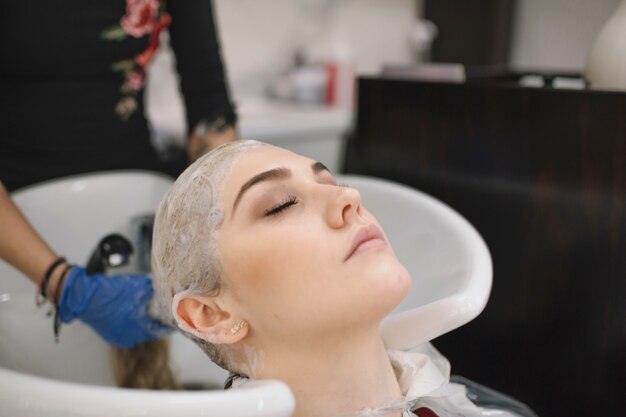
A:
(275, 273)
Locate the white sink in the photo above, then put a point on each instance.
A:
(39, 378)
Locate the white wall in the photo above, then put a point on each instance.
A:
(259, 37)
(557, 34)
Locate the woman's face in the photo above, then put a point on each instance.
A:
(300, 255)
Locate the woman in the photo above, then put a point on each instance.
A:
(277, 272)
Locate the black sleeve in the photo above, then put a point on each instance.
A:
(193, 36)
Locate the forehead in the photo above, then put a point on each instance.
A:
(265, 158)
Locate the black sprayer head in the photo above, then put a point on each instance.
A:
(112, 251)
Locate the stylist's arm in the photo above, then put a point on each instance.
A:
(116, 307)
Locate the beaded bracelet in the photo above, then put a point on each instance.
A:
(46, 278)
(56, 324)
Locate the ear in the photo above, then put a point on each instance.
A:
(203, 317)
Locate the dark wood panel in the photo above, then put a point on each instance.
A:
(541, 173)
(471, 32)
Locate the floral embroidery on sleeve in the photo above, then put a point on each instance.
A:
(142, 17)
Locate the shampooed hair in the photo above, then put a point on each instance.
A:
(184, 244)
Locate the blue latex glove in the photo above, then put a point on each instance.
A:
(116, 307)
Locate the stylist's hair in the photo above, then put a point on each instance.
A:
(185, 257)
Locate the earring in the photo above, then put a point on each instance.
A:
(238, 326)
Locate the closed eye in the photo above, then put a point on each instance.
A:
(290, 201)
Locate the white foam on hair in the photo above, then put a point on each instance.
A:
(185, 258)
(249, 360)
(184, 246)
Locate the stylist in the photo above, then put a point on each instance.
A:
(72, 79)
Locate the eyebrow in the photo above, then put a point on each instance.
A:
(318, 167)
(272, 175)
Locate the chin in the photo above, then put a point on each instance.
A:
(400, 284)
(390, 283)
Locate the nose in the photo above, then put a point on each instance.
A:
(344, 205)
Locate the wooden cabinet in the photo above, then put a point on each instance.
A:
(541, 173)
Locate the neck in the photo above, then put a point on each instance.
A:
(335, 377)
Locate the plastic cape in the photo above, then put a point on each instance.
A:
(424, 378)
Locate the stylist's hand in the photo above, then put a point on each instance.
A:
(202, 141)
(116, 307)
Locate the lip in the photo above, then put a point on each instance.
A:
(370, 235)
